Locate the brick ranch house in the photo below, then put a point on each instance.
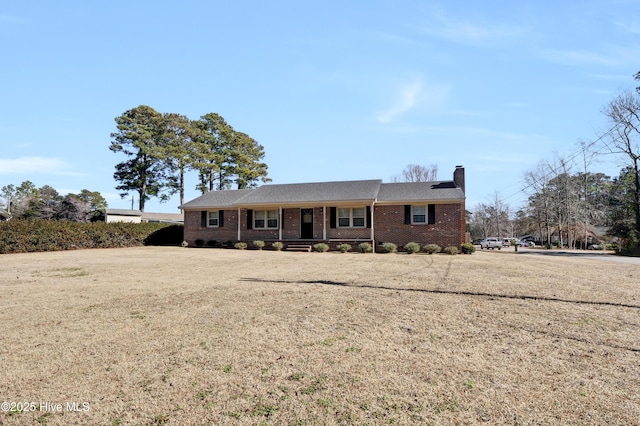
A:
(332, 212)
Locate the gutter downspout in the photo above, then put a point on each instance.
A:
(239, 221)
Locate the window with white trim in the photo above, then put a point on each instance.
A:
(419, 214)
(265, 219)
(424, 214)
(351, 217)
(213, 219)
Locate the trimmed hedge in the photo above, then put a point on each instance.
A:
(24, 236)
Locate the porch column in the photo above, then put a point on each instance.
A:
(280, 223)
(373, 234)
(324, 223)
(239, 221)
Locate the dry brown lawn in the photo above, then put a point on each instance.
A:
(164, 335)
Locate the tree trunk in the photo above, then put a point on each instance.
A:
(181, 186)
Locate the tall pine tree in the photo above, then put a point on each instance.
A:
(141, 138)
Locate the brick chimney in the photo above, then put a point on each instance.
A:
(458, 177)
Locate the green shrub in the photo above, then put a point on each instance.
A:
(22, 236)
(167, 235)
(259, 244)
(431, 248)
(199, 242)
(278, 246)
(390, 248)
(240, 245)
(468, 248)
(321, 247)
(412, 247)
(212, 243)
(364, 247)
(451, 250)
(344, 247)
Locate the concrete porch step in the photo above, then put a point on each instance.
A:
(299, 247)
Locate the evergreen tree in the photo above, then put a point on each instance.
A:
(212, 140)
(141, 138)
(178, 149)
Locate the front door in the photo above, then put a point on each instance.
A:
(306, 224)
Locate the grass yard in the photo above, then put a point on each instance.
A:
(166, 335)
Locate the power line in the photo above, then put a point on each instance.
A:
(554, 170)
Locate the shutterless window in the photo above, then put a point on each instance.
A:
(213, 219)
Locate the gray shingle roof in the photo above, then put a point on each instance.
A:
(321, 192)
(329, 192)
(217, 199)
(420, 191)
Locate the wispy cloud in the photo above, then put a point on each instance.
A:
(410, 95)
(608, 55)
(32, 165)
(578, 57)
(473, 32)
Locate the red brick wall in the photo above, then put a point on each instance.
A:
(193, 229)
(389, 226)
(291, 220)
(449, 229)
(249, 235)
(348, 233)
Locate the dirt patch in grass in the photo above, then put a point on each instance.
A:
(162, 335)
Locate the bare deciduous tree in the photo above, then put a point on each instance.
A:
(624, 114)
(418, 173)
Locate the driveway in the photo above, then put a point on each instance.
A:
(583, 254)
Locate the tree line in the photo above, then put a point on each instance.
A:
(567, 200)
(161, 148)
(26, 201)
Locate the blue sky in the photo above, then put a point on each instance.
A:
(333, 90)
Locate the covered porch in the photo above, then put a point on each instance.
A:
(306, 223)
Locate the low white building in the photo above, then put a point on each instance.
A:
(136, 216)
(123, 215)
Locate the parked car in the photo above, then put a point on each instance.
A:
(507, 242)
(528, 243)
(491, 243)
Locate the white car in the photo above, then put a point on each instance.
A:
(491, 243)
